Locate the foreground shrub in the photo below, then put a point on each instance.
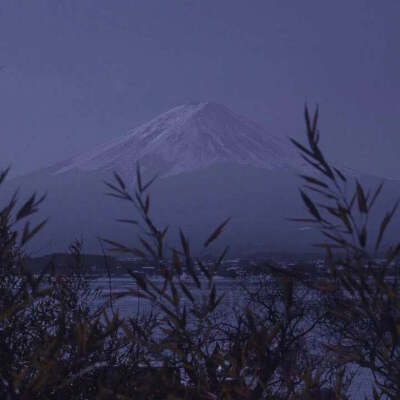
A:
(50, 339)
(261, 352)
(361, 299)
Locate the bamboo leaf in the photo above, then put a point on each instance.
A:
(139, 279)
(315, 120)
(307, 220)
(302, 148)
(376, 194)
(176, 262)
(186, 291)
(29, 207)
(341, 176)
(148, 247)
(139, 253)
(216, 233)
(139, 178)
(363, 236)
(118, 247)
(385, 222)
(314, 181)
(119, 180)
(334, 238)
(314, 164)
(147, 205)
(150, 182)
(321, 192)
(204, 270)
(185, 244)
(362, 201)
(27, 234)
(128, 221)
(310, 205)
(114, 188)
(221, 257)
(308, 124)
(4, 174)
(118, 196)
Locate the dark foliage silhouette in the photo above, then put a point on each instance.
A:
(290, 337)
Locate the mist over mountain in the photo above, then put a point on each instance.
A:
(212, 164)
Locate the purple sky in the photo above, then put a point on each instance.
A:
(79, 72)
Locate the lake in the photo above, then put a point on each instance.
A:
(234, 296)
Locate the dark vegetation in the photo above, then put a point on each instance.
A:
(292, 337)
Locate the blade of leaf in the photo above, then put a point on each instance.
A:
(216, 232)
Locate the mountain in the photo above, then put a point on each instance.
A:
(212, 164)
(188, 138)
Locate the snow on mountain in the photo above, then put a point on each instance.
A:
(189, 137)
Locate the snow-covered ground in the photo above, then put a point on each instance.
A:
(190, 137)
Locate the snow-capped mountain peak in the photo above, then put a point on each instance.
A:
(189, 137)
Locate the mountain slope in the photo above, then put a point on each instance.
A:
(258, 200)
(213, 164)
(187, 138)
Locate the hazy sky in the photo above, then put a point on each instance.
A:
(79, 72)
